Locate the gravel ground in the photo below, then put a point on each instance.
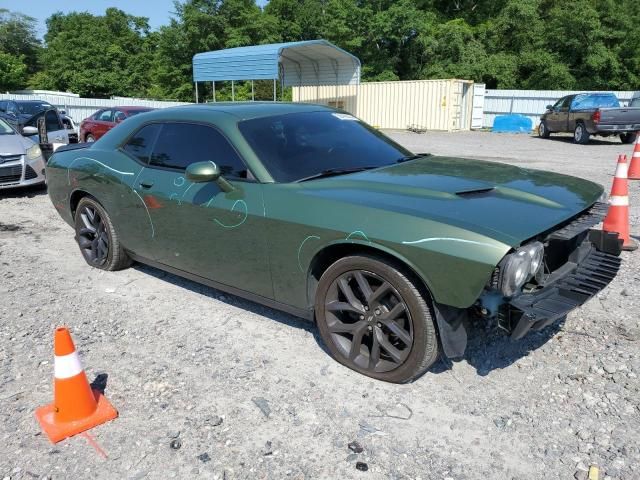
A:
(243, 391)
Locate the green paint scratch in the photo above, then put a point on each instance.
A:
(300, 249)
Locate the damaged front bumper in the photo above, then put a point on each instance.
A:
(591, 267)
(584, 262)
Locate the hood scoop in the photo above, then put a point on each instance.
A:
(476, 192)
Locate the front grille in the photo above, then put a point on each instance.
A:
(30, 173)
(10, 174)
(9, 158)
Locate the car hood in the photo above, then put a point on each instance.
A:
(503, 202)
(14, 144)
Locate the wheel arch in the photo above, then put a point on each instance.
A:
(75, 197)
(329, 254)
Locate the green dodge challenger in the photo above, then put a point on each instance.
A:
(309, 210)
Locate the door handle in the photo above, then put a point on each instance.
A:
(146, 184)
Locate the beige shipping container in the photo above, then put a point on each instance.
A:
(421, 104)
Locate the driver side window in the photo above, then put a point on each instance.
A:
(181, 144)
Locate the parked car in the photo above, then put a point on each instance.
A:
(589, 114)
(18, 112)
(21, 161)
(56, 130)
(92, 128)
(309, 210)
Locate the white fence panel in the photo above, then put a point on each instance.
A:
(80, 108)
(531, 103)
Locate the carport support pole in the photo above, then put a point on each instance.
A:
(253, 95)
(233, 91)
(213, 86)
(196, 83)
(274, 89)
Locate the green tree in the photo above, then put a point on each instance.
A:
(13, 72)
(96, 56)
(18, 38)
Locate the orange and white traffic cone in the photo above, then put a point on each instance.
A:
(76, 407)
(617, 219)
(634, 166)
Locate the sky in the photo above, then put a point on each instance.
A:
(158, 11)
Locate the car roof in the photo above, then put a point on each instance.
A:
(39, 102)
(249, 110)
(132, 107)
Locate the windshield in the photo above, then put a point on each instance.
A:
(5, 128)
(296, 146)
(595, 101)
(33, 108)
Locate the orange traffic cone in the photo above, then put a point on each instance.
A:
(634, 166)
(76, 407)
(617, 219)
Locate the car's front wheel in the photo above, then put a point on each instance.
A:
(97, 238)
(543, 131)
(374, 319)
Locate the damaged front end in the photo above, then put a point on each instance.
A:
(542, 281)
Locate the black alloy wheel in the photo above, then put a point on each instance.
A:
(374, 319)
(98, 241)
(369, 321)
(92, 236)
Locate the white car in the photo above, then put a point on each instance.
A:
(21, 161)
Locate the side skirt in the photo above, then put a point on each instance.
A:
(268, 302)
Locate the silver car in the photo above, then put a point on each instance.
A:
(21, 161)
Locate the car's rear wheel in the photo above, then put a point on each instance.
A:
(89, 138)
(580, 134)
(98, 241)
(374, 319)
(543, 131)
(628, 138)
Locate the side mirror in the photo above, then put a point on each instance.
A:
(549, 107)
(202, 172)
(29, 131)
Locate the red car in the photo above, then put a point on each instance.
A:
(92, 128)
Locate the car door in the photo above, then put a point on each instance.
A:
(198, 227)
(553, 117)
(103, 123)
(56, 132)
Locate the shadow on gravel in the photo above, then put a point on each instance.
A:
(23, 192)
(487, 350)
(490, 350)
(100, 382)
(229, 299)
(593, 141)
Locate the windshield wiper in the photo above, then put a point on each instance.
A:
(408, 158)
(332, 172)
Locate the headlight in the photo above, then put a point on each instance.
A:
(519, 267)
(34, 152)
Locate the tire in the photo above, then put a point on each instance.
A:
(543, 131)
(405, 335)
(101, 248)
(580, 134)
(628, 138)
(89, 138)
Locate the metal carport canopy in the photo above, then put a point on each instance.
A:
(311, 62)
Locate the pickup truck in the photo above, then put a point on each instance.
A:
(587, 114)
